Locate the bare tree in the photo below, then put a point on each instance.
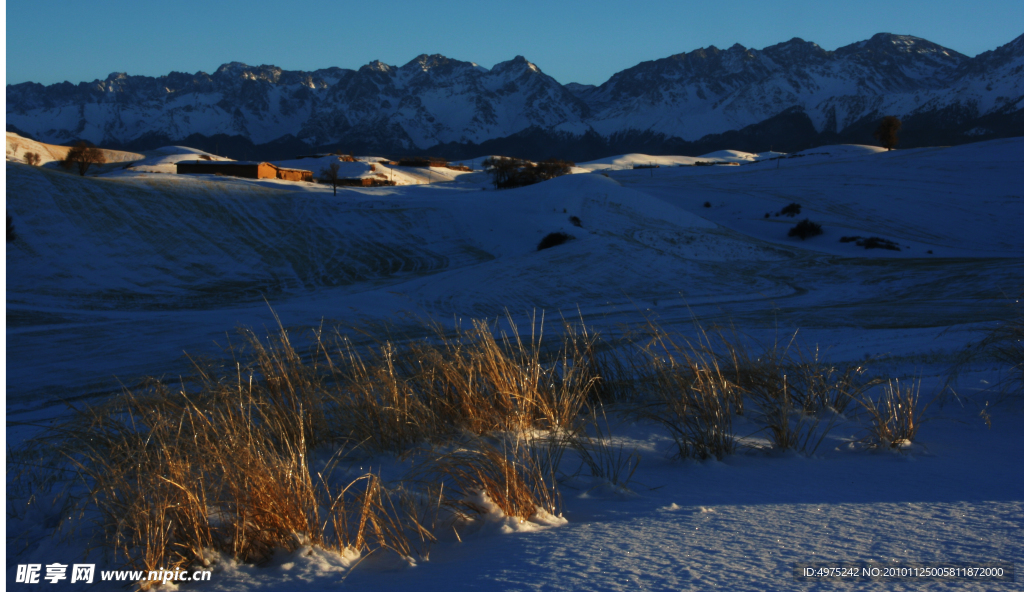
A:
(505, 172)
(553, 167)
(330, 174)
(886, 132)
(83, 156)
(32, 159)
(515, 172)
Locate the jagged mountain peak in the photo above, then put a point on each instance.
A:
(426, 62)
(1010, 55)
(238, 71)
(899, 45)
(795, 46)
(232, 68)
(377, 66)
(428, 67)
(1016, 46)
(905, 41)
(704, 52)
(1011, 50)
(516, 64)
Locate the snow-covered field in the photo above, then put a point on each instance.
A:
(113, 279)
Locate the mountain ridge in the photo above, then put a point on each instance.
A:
(438, 103)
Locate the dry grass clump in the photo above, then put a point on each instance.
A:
(518, 474)
(788, 426)
(604, 461)
(817, 385)
(169, 478)
(893, 419)
(1004, 345)
(793, 392)
(807, 381)
(469, 380)
(704, 382)
(691, 394)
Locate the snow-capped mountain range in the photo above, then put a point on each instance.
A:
(788, 94)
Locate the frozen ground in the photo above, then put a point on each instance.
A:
(113, 278)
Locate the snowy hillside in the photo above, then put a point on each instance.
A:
(145, 243)
(438, 102)
(18, 147)
(131, 274)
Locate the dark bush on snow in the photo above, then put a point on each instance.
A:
(553, 240)
(575, 221)
(792, 210)
(875, 242)
(805, 229)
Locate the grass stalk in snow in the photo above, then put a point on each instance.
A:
(792, 391)
(463, 380)
(692, 396)
(518, 474)
(817, 385)
(893, 420)
(789, 427)
(1004, 345)
(605, 461)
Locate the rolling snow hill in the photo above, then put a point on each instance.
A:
(115, 278)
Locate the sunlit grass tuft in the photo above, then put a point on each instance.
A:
(894, 418)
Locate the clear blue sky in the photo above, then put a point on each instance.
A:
(573, 41)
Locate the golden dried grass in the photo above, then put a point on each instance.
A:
(893, 420)
(222, 463)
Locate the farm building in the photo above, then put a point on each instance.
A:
(363, 182)
(247, 170)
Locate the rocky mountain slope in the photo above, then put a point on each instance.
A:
(790, 95)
